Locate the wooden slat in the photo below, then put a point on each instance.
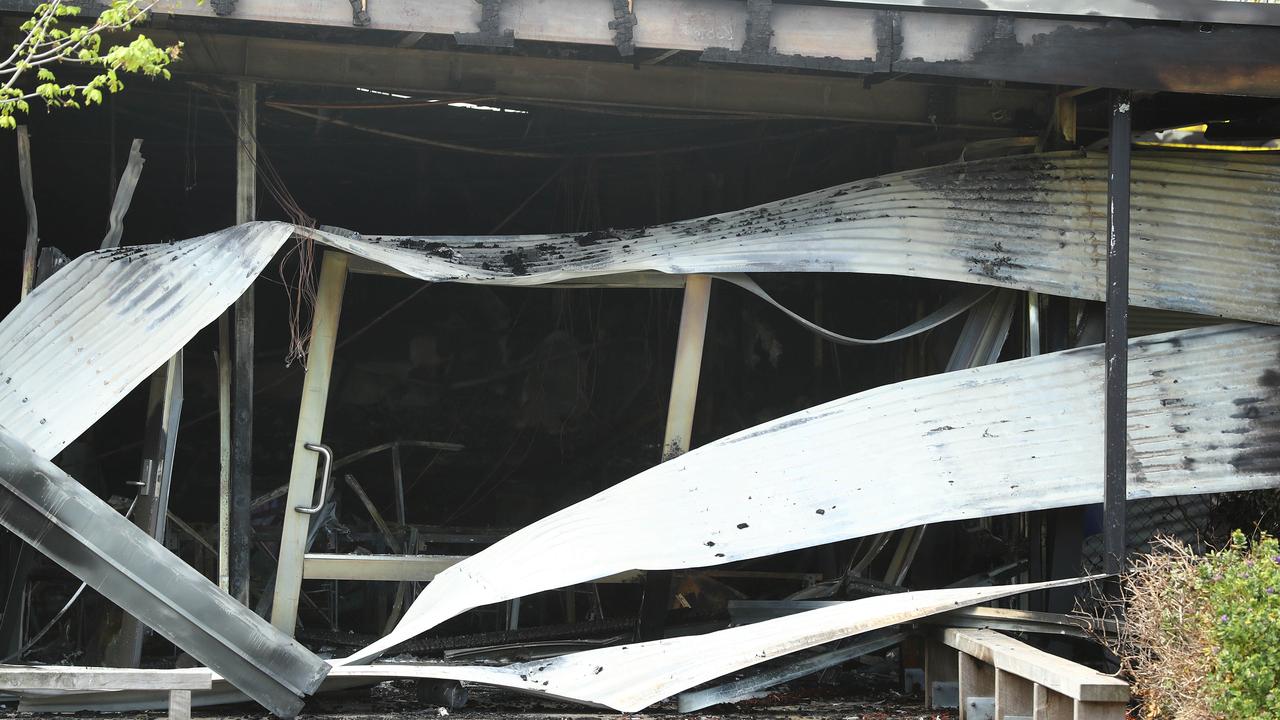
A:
(422, 568)
(59, 677)
(1055, 673)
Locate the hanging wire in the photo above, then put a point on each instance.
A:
(300, 289)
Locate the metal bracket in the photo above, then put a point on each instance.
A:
(223, 8)
(490, 33)
(623, 27)
(360, 13)
(327, 455)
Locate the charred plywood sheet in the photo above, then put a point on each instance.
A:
(629, 678)
(1206, 233)
(1204, 408)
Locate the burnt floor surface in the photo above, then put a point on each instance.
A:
(397, 700)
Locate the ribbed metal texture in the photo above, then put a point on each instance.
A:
(87, 336)
(1206, 234)
(629, 678)
(1204, 416)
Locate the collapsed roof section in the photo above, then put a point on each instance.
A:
(1200, 409)
(1203, 244)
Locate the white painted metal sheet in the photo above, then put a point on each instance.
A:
(1206, 234)
(629, 678)
(99, 326)
(1204, 416)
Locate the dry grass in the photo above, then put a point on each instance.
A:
(1163, 642)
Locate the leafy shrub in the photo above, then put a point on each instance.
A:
(1240, 584)
(1201, 634)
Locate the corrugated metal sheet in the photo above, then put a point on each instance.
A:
(1206, 237)
(1206, 234)
(629, 678)
(87, 336)
(1204, 416)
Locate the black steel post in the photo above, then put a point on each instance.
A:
(1117, 348)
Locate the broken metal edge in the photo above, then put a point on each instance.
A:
(629, 678)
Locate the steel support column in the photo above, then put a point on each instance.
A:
(675, 441)
(302, 476)
(1117, 347)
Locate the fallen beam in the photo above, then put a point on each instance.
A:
(51, 511)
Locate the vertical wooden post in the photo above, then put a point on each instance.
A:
(160, 441)
(688, 366)
(237, 473)
(977, 681)
(1116, 414)
(1013, 695)
(224, 453)
(302, 476)
(1049, 705)
(675, 441)
(32, 247)
(179, 705)
(941, 668)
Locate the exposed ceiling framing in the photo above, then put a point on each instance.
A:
(701, 88)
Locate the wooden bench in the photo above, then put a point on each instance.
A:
(1002, 678)
(179, 683)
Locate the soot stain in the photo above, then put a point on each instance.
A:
(515, 262)
(1258, 451)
